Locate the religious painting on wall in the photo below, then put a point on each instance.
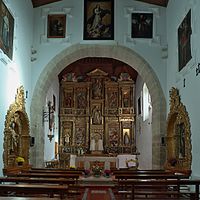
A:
(6, 30)
(98, 19)
(56, 26)
(184, 43)
(142, 25)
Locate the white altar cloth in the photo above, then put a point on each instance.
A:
(88, 159)
(122, 161)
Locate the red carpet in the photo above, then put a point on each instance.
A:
(98, 193)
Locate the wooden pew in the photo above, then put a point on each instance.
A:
(34, 189)
(73, 188)
(52, 171)
(130, 171)
(58, 181)
(46, 175)
(150, 176)
(137, 189)
(28, 198)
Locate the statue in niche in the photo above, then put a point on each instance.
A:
(126, 139)
(97, 89)
(181, 132)
(96, 144)
(14, 136)
(96, 115)
(67, 138)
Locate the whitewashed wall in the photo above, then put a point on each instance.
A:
(153, 51)
(190, 95)
(16, 72)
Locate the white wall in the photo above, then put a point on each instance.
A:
(16, 72)
(151, 50)
(190, 95)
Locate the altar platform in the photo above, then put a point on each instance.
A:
(96, 181)
(106, 161)
(86, 162)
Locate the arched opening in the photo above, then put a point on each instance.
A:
(76, 52)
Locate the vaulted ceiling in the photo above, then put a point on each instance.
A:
(37, 3)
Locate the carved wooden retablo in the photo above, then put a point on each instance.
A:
(97, 114)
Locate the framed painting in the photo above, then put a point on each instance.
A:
(6, 30)
(142, 25)
(98, 20)
(184, 43)
(56, 26)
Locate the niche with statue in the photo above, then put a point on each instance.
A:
(179, 156)
(16, 134)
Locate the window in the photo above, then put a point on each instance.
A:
(146, 102)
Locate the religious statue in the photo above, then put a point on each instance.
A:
(126, 139)
(97, 89)
(67, 139)
(96, 144)
(96, 115)
(14, 135)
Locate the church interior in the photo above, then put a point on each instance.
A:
(99, 99)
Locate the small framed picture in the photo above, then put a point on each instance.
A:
(6, 30)
(98, 20)
(142, 25)
(56, 26)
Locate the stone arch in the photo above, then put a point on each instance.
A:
(79, 51)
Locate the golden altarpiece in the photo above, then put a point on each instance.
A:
(179, 155)
(97, 114)
(16, 134)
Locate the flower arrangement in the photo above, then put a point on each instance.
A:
(86, 172)
(96, 169)
(20, 160)
(107, 172)
(72, 167)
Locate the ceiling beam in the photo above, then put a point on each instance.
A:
(162, 3)
(37, 3)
